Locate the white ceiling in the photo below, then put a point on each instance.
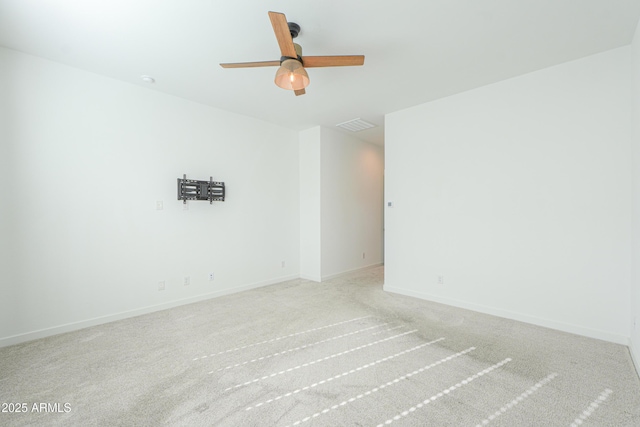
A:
(416, 50)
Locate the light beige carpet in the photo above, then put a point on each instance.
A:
(338, 353)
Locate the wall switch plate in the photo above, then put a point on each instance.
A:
(210, 276)
(159, 205)
(440, 280)
(186, 281)
(161, 285)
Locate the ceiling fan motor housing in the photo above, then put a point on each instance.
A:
(298, 54)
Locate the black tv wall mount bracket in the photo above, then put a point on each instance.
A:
(191, 189)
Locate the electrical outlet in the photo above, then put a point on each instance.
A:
(210, 276)
(363, 255)
(283, 264)
(440, 280)
(161, 285)
(186, 280)
(159, 205)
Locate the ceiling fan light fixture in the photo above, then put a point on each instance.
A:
(291, 75)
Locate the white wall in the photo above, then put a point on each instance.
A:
(341, 212)
(310, 221)
(8, 233)
(635, 287)
(352, 203)
(84, 159)
(518, 193)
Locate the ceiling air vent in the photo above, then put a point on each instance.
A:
(355, 125)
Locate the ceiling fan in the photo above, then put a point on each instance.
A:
(292, 74)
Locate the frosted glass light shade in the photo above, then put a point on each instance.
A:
(291, 75)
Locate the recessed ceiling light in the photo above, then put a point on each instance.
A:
(148, 79)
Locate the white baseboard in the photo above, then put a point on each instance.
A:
(560, 326)
(635, 357)
(344, 273)
(74, 326)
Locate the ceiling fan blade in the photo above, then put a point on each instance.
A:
(251, 64)
(281, 28)
(332, 61)
(299, 92)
